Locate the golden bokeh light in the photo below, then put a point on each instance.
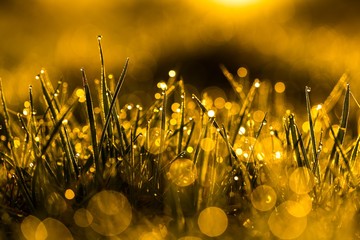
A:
(301, 180)
(190, 238)
(182, 172)
(299, 205)
(69, 194)
(212, 221)
(172, 73)
(157, 143)
(83, 218)
(285, 226)
(151, 236)
(279, 87)
(242, 72)
(263, 198)
(207, 144)
(52, 228)
(247, 148)
(111, 213)
(28, 227)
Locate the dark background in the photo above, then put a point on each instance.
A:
(298, 42)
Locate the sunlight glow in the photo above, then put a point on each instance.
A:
(237, 2)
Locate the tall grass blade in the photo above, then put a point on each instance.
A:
(295, 139)
(237, 87)
(245, 107)
(113, 101)
(311, 129)
(92, 123)
(182, 118)
(20, 178)
(339, 138)
(103, 86)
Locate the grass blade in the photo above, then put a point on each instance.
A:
(20, 178)
(182, 118)
(311, 128)
(112, 104)
(245, 107)
(339, 138)
(90, 111)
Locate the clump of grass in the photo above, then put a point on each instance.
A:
(163, 169)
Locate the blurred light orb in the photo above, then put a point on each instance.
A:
(301, 180)
(211, 113)
(172, 73)
(182, 172)
(279, 87)
(55, 204)
(111, 213)
(285, 226)
(157, 143)
(53, 229)
(299, 205)
(237, 2)
(213, 221)
(28, 226)
(247, 148)
(83, 218)
(263, 198)
(150, 236)
(69, 194)
(207, 144)
(219, 102)
(242, 72)
(190, 238)
(272, 148)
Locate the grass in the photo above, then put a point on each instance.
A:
(173, 161)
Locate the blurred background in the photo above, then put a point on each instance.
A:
(299, 42)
